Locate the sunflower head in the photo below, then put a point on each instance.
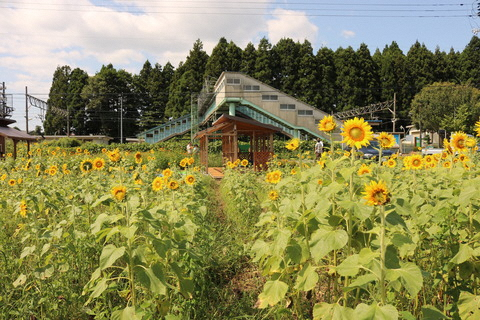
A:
(364, 169)
(190, 180)
(119, 192)
(23, 208)
(459, 141)
(376, 193)
(167, 173)
(157, 184)
(327, 124)
(244, 163)
(98, 163)
(293, 144)
(477, 128)
(357, 133)
(274, 176)
(86, 165)
(173, 185)
(273, 195)
(386, 140)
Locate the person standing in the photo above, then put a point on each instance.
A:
(189, 148)
(318, 148)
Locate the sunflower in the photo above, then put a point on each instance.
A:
(114, 155)
(53, 170)
(471, 142)
(447, 164)
(119, 192)
(244, 163)
(79, 150)
(23, 208)
(173, 185)
(190, 161)
(293, 144)
(458, 141)
(327, 124)
(463, 158)
(416, 162)
(138, 157)
(98, 163)
(293, 171)
(477, 128)
(391, 163)
(3, 177)
(157, 184)
(274, 176)
(183, 163)
(86, 166)
(356, 133)
(12, 182)
(167, 173)
(364, 169)
(386, 140)
(273, 195)
(376, 193)
(190, 180)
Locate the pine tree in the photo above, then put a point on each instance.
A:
(249, 57)
(326, 97)
(76, 104)
(346, 62)
(218, 60)
(286, 53)
(263, 63)
(234, 57)
(56, 120)
(368, 84)
(470, 61)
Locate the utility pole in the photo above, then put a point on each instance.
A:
(121, 119)
(26, 108)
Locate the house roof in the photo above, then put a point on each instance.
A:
(16, 134)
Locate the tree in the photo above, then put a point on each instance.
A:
(234, 57)
(188, 79)
(249, 57)
(111, 106)
(263, 63)
(56, 120)
(346, 62)
(218, 60)
(326, 98)
(444, 105)
(76, 104)
(421, 66)
(307, 84)
(470, 58)
(286, 53)
(368, 77)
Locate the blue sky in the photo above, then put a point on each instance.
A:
(40, 35)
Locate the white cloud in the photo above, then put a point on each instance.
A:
(347, 34)
(291, 24)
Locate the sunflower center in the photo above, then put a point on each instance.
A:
(379, 197)
(356, 134)
(461, 143)
(384, 142)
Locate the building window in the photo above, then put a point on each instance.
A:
(249, 87)
(305, 112)
(233, 81)
(285, 106)
(155, 132)
(149, 135)
(269, 97)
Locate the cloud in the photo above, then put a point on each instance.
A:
(347, 34)
(290, 24)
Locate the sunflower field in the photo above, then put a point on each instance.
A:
(114, 234)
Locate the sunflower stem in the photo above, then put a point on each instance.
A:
(382, 254)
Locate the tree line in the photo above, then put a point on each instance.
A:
(330, 80)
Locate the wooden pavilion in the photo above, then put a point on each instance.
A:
(14, 134)
(229, 129)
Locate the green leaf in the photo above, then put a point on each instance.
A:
(326, 311)
(469, 306)
(375, 312)
(410, 276)
(363, 280)
(464, 253)
(153, 278)
(45, 248)
(126, 314)
(349, 267)
(281, 237)
(109, 255)
(307, 278)
(104, 199)
(324, 241)
(27, 251)
(20, 280)
(273, 292)
(44, 272)
(432, 313)
(98, 289)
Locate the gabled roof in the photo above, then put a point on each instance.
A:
(16, 134)
(225, 122)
